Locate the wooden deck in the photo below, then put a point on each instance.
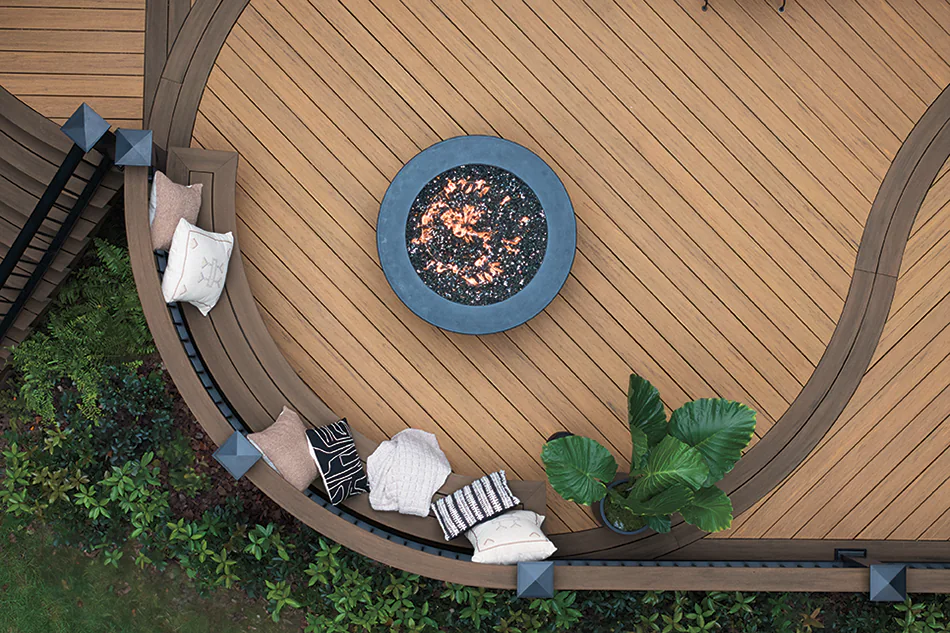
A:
(882, 471)
(721, 171)
(722, 166)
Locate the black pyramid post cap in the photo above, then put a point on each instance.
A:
(237, 455)
(888, 583)
(536, 579)
(85, 127)
(133, 147)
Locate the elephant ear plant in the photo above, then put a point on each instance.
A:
(674, 466)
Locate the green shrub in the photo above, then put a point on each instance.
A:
(95, 323)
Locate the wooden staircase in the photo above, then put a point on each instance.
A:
(32, 148)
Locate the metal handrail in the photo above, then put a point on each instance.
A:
(40, 213)
(43, 206)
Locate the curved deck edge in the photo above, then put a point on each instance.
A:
(824, 397)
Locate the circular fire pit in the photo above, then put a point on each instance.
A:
(476, 234)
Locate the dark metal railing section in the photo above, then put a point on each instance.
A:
(88, 131)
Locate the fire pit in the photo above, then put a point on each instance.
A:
(476, 234)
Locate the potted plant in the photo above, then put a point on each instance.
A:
(674, 466)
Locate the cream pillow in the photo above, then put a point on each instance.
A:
(197, 266)
(169, 203)
(285, 448)
(509, 538)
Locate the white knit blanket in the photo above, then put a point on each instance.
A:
(405, 472)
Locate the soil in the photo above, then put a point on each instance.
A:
(257, 506)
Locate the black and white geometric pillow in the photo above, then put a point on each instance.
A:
(477, 502)
(339, 464)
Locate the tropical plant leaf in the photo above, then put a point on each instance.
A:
(658, 524)
(578, 468)
(641, 446)
(666, 502)
(710, 510)
(717, 428)
(645, 409)
(671, 462)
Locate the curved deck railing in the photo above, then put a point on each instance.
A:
(812, 413)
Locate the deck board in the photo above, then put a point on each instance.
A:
(880, 473)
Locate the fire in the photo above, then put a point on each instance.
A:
(510, 244)
(461, 220)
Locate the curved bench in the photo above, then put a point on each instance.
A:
(243, 362)
(31, 149)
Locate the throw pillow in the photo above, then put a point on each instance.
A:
(169, 203)
(338, 463)
(477, 502)
(284, 447)
(197, 266)
(405, 472)
(510, 538)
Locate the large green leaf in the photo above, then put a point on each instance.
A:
(645, 409)
(671, 462)
(641, 446)
(710, 511)
(667, 501)
(578, 467)
(719, 429)
(658, 524)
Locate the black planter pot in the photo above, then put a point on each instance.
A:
(601, 514)
(559, 435)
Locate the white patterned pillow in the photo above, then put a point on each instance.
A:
(477, 502)
(333, 449)
(510, 538)
(197, 266)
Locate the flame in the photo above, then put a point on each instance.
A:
(461, 222)
(510, 244)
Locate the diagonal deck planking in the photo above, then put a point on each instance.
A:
(881, 472)
(722, 166)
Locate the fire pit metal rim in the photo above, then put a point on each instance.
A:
(475, 319)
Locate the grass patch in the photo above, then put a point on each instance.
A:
(45, 589)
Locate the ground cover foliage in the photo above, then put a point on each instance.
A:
(100, 456)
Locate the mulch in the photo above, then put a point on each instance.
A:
(258, 507)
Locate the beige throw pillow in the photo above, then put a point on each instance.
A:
(510, 538)
(197, 266)
(169, 203)
(286, 449)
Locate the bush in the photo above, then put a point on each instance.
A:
(136, 415)
(95, 323)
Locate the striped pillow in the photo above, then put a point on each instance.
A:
(339, 464)
(479, 501)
